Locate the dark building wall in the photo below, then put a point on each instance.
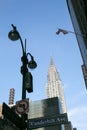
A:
(51, 107)
(46, 108)
(7, 125)
(78, 14)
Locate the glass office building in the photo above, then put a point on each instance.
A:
(46, 109)
(78, 13)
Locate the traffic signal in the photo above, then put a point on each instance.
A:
(28, 82)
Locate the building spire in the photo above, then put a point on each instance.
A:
(54, 85)
(51, 61)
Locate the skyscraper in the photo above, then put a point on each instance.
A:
(54, 85)
(54, 105)
(78, 14)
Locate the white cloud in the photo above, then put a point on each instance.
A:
(78, 117)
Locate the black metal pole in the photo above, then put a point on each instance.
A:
(24, 66)
(14, 35)
(24, 70)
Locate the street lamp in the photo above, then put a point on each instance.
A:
(27, 76)
(27, 82)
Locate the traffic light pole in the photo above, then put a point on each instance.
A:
(14, 35)
(24, 70)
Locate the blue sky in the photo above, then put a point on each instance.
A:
(37, 21)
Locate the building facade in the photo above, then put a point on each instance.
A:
(46, 114)
(11, 96)
(54, 86)
(68, 126)
(78, 13)
(43, 112)
(7, 125)
(0, 110)
(53, 105)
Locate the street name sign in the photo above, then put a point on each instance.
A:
(11, 115)
(50, 121)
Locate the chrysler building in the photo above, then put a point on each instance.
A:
(54, 85)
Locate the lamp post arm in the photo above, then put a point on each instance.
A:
(30, 55)
(14, 27)
(22, 44)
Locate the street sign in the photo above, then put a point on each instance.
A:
(50, 121)
(22, 106)
(11, 115)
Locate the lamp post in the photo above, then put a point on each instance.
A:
(27, 82)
